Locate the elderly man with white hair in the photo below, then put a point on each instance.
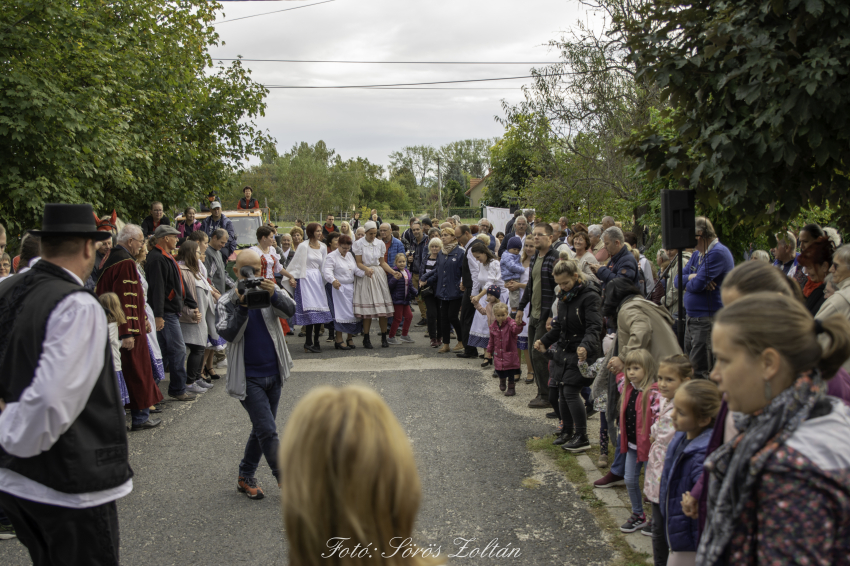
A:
(520, 231)
(120, 275)
(597, 246)
(785, 253)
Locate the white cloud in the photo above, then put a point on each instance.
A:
(372, 124)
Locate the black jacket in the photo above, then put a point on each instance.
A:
(466, 273)
(166, 293)
(147, 225)
(579, 324)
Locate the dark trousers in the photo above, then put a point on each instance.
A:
(261, 401)
(173, 348)
(448, 319)
(58, 536)
(312, 332)
(194, 363)
(659, 540)
(432, 311)
(539, 361)
(553, 400)
(467, 313)
(698, 345)
(572, 409)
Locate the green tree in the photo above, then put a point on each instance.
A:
(758, 94)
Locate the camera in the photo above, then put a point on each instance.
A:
(249, 288)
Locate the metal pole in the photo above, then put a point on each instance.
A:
(680, 326)
(439, 185)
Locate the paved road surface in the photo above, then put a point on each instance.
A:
(469, 442)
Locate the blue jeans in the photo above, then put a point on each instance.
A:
(618, 468)
(262, 398)
(633, 468)
(141, 416)
(173, 348)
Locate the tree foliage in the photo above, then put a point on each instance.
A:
(117, 104)
(759, 95)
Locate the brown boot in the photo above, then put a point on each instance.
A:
(444, 349)
(510, 392)
(502, 382)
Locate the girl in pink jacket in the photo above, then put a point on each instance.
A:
(503, 347)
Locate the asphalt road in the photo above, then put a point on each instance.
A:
(479, 481)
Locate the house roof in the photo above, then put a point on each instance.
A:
(474, 182)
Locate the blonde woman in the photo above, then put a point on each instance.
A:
(348, 475)
(345, 230)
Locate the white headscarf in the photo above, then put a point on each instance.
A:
(370, 226)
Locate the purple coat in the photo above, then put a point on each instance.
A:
(503, 344)
(402, 294)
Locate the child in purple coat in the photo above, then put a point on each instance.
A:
(402, 292)
(503, 347)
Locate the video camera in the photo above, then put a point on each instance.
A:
(249, 288)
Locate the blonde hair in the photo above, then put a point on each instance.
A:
(767, 320)
(434, 241)
(484, 237)
(347, 471)
(450, 231)
(111, 303)
(345, 227)
(500, 306)
(644, 359)
(569, 267)
(563, 255)
(399, 255)
(760, 255)
(703, 398)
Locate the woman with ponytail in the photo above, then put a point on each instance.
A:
(787, 471)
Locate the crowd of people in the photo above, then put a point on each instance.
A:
(742, 427)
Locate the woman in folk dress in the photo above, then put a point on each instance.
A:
(489, 273)
(339, 271)
(372, 297)
(311, 301)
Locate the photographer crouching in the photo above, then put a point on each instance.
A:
(258, 360)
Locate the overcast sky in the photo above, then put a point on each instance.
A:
(372, 123)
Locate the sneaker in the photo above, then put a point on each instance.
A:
(552, 415)
(539, 403)
(609, 480)
(579, 443)
(183, 396)
(407, 339)
(204, 384)
(602, 462)
(7, 531)
(647, 529)
(195, 388)
(422, 322)
(394, 341)
(635, 522)
(249, 487)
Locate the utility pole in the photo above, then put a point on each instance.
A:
(439, 185)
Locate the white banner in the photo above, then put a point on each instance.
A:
(498, 217)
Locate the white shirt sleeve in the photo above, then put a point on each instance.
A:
(328, 268)
(71, 360)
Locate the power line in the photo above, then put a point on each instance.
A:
(275, 12)
(388, 62)
(415, 84)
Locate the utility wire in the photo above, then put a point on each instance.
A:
(391, 62)
(275, 12)
(416, 84)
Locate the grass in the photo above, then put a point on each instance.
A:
(568, 463)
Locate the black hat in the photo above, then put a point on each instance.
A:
(73, 220)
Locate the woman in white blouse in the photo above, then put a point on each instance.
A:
(311, 301)
(585, 257)
(339, 271)
(371, 292)
(489, 273)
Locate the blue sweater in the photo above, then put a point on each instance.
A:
(511, 266)
(699, 301)
(680, 475)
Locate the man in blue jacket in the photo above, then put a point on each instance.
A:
(705, 272)
(621, 262)
(217, 220)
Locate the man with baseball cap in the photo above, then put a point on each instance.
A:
(63, 437)
(217, 220)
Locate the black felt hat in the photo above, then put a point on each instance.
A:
(72, 220)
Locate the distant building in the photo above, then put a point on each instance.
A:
(476, 190)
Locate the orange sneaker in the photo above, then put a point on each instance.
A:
(249, 487)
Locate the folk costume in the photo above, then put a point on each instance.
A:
(490, 274)
(311, 301)
(271, 266)
(120, 275)
(372, 297)
(341, 301)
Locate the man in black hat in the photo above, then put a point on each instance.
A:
(63, 437)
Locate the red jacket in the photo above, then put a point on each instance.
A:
(645, 420)
(503, 344)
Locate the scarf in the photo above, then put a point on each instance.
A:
(447, 248)
(571, 294)
(810, 287)
(737, 465)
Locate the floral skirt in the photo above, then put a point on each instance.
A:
(122, 387)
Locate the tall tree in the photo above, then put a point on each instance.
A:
(420, 159)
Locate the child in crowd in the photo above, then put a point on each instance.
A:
(512, 269)
(639, 401)
(403, 291)
(493, 294)
(697, 403)
(673, 372)
(115, 316)
(503, 342)
(600, 402)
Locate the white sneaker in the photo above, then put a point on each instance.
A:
(407, 339)
(195, 388)
(221, 364)
(204, 384)
(393, 341)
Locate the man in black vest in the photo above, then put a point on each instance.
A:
(63, 437)
(467, 309)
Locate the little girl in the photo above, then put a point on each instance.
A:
(403, 291)
(503, 341)
(673, 372)
(598, 372)
(639, 401)
(494, 292)
(115, 316)
(697, 403)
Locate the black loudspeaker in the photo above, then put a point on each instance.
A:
(678, 219)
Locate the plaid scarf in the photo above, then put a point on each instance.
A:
(737, 465)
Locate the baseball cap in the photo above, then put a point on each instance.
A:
(215, 204)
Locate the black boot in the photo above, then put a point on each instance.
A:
(384, 343)
(367, 343)
(565, 436)
(578, 443)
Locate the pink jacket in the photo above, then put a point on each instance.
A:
(663, 432)
(503, 344)
(644, 420)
